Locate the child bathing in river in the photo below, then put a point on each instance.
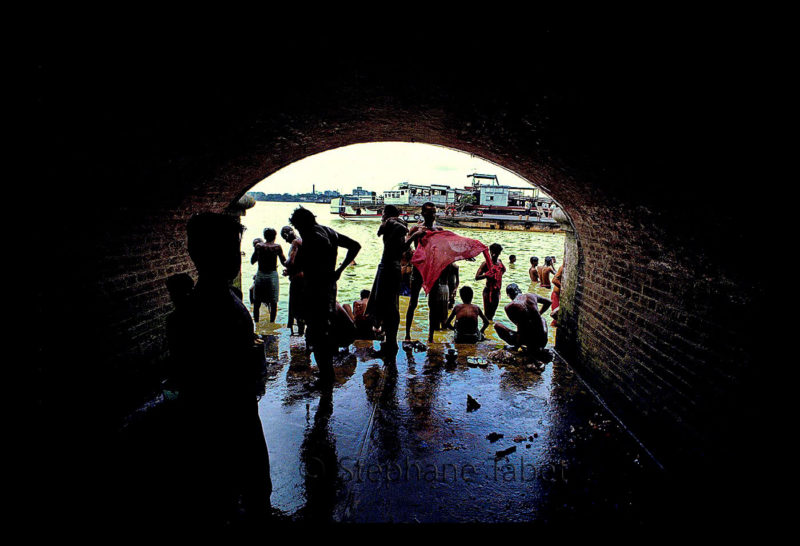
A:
(466, 315)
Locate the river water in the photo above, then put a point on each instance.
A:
(360, 277)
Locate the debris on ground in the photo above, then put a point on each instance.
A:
(517, 356)
(415, 345)
(494, 436)
(472, 404)
(505, 452)
(473, 361)
(519, 438)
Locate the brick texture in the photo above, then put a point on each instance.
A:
(654, 301)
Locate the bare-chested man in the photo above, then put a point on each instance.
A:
(466, 315)
(545, 271)
(415, 233)
(525, 313)
(294, 270)
(266, 287)
(534, 270)
(322, 243)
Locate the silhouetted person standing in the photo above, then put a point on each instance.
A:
(384, 301)
(294, 270)
(320, 249)
(219, 376)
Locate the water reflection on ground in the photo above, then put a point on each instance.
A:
(398, 444)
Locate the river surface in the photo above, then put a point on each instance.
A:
(360, 277)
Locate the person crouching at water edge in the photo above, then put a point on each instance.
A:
(466, 315)
(266, 288)
(321, 243)
(383, 305)
(525, 313)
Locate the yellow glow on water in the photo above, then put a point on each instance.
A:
(360, 277)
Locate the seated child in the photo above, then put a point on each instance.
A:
(344, 329)
(358, 314)
(466, 315)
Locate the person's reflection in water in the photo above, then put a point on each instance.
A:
(320, 464)
(388, 418)
(421, 395)
(224, 464)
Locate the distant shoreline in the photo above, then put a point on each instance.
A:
(328, 202)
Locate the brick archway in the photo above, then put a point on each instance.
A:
(653, 322)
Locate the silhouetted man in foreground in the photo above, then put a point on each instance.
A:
(219, 376)
(524, 311)
(320, 249)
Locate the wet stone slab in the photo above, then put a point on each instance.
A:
(400, 444)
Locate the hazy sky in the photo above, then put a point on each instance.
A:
(379, 166)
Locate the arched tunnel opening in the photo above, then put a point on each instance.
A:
(651, 319)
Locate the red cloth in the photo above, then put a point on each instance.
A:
(494, 275)
(438, 249)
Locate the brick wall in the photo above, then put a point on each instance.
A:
(653, 299)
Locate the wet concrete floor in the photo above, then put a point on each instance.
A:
(399, 444)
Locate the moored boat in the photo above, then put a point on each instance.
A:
(484, 203)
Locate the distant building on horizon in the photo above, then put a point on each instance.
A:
(313, 197)
(361, 191)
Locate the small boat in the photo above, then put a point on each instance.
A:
(359, 217)
(357, 207)
(483, 204)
